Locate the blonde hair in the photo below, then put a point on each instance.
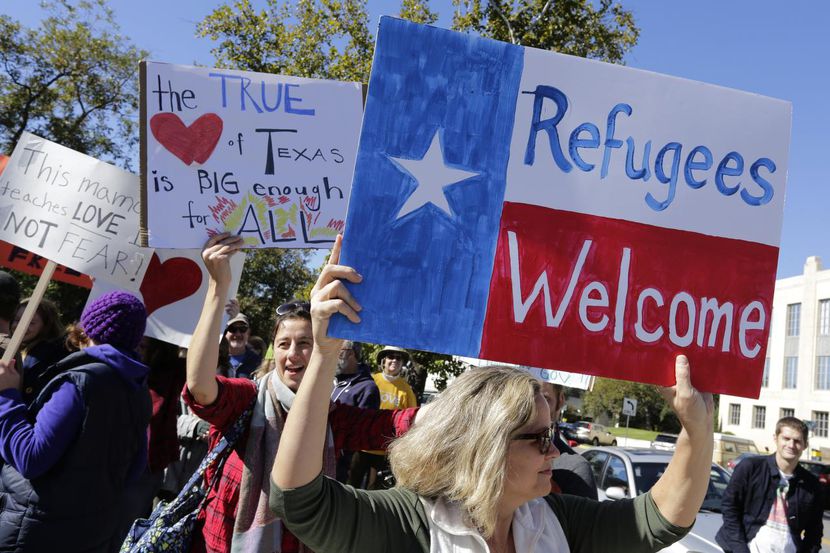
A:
(459, 451)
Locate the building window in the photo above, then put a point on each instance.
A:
(759, 416)
(790, 372)
(820, 424)
(823, 372)
(793, 319)
(735, 414)
(765, 377)
(824, 318)
(787, 412)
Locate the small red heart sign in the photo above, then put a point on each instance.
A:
(169, 282)
(189, 144)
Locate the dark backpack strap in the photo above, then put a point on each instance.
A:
(221, 451)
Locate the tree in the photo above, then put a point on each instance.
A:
(73, 80)
(600, 30)
(653, 412)
(270, 278)
(331, 39)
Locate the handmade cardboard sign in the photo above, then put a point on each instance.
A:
(173, 291)
(569, 380)
(21, 259)
(523, 206)
(267, 157)
(72, 209)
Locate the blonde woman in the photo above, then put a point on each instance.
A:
(474, 471)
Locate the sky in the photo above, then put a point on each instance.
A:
(771, 48)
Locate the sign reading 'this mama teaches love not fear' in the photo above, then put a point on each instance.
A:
(267, 157)
(72, 209)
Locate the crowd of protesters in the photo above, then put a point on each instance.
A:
(98, 423)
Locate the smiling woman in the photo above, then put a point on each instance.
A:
(232, 511)
(474, 471)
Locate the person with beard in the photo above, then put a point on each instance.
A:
(572, 473)
(353, 385)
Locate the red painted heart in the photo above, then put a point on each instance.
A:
(169, 282)
(189, 144)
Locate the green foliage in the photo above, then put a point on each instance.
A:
(70, 299)
(442, 366)
(593, 29)
(417, 12)
(271, 277)
(653, 412)
(308, 38)
(73, 81)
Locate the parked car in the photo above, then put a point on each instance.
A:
(822, 472)
(629, 472)
(732, 463)
(593, 433)
(665, 442)
(727, 447)
(568, 431)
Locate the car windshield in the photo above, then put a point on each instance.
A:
(584, 424)
(647, 474)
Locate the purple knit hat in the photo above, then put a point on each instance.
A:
(116, 318)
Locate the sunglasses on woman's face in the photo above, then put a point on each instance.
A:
(395, 357)
(544, 439)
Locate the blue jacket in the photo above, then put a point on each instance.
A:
(249, 363)
(749, 498)
(36, 367)
(69, 455)
(358, 389)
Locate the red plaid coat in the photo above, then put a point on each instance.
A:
(353, 429)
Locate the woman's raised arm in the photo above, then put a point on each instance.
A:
(680, 491)
(203, 353)
(300, 455)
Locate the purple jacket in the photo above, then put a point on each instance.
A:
(33, 442)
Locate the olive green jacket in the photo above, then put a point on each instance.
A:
(330, 517)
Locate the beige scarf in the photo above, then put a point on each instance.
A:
(257, 529)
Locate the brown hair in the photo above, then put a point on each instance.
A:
(795, 424)
(268, 364)
(49, 314)
(76, 338)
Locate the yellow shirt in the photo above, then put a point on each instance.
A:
(396, 394)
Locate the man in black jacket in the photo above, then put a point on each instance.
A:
(354, 386)
(772, 504)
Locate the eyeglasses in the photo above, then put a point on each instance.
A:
(396, 356)
(544, 439)
(293, 306)
(238, 329)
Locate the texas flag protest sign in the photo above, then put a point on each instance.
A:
(523, 206)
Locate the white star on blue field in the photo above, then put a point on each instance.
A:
(432, 176)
